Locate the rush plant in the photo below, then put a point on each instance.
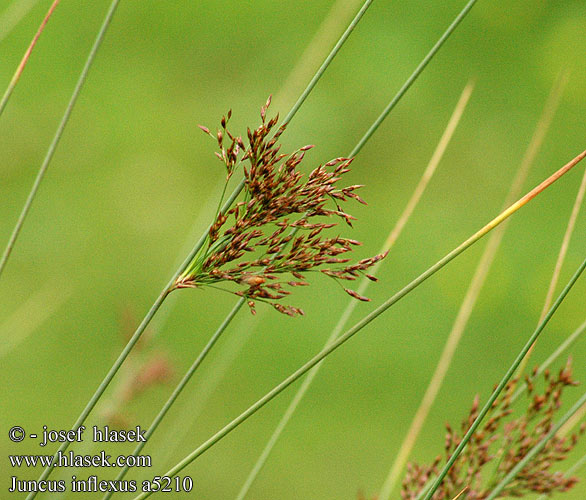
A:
(285, 223)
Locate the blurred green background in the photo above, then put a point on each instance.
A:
(134, 182)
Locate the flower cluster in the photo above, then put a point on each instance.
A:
(147, 367)
(274, 236)
(500, 444)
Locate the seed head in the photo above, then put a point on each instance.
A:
(500, 444)
(276, 231)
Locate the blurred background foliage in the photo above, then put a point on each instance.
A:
(134, 182)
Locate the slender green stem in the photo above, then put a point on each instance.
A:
(155, 307)
(564, 346)
(327, 61)
(219, 209)
(25, 58)
(184, 381)
(403, 90)
(535, 450)
(504, 382)
(58, 134)
(370, 317)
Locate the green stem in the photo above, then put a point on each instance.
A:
(370, 317)
(327, 61)
(536, 449)
(403, 90)
(564, 346)
(503, 382)
(58, 134)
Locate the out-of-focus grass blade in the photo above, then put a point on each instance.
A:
(474, 289)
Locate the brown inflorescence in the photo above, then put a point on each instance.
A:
(275, 236)
(500, 444)
(148, 367)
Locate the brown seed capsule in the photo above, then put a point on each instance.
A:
(252, 280)
(356, 295)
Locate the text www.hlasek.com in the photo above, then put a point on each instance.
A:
(70, 459)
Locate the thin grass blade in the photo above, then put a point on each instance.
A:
(411, 80)
(563, 347)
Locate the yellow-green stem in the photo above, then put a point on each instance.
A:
(373, 315)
